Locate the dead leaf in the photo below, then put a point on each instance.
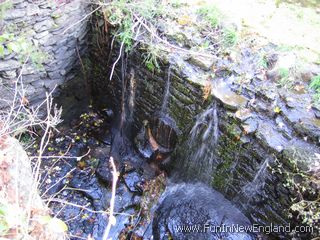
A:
(277, 109)
(184, 20)
(299, 88)
(24, 101)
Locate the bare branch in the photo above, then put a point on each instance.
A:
(112, 219)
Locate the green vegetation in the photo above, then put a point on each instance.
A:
(24, 48)
(4, 6)
(211, 14)
(297, 177)
(177, 3)
(230, 36)
(126, 15)
(19, 43)
(4, 226)
(285, 81)
(315, 85)
(151, 57)
(25, 138)
(284, 72)
(136, 23)
(304, 3)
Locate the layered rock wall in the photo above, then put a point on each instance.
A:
(54, 33)
(266, 156)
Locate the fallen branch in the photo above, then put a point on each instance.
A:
(112, 219)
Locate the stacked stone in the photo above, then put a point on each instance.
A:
(56, 29)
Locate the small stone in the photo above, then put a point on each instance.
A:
(271, 60)
(44, 25)
(244, 139)
(290, 102)
(52, 83)
(272, 75)
(14, 14)
(316, 112)
(41, 35)
(17, 1)
(133, 181)
(271, 138)
(243, 114)
(9, 65)
(32, 10)
(230, 99)
(204, 62)
(104, 172)
(9, 74)
(250, 125)
(48, 181)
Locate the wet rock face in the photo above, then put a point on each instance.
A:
(196, 205)
(228, 98)
(257, 120)
(157, 139)
(165, 131)
(79, 181)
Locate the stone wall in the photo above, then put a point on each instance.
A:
(268, 138)
(54, 29)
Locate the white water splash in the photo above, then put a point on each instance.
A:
(255, 186)
(132, 94)
(166, 93)
(203, 139)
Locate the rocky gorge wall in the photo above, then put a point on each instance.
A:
(268, 138)
(52, 35)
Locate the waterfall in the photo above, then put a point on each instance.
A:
(132, 94)
(255, 186)
(122, 147)
(199, 150)
(123, 94)
(208, 118)
(166, 93)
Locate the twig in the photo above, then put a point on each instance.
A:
(58, 181)
(120, 53)
(167, 43)
(112, 219)
(83, 207)
(82, 19)
(117, 60)
(66, 157)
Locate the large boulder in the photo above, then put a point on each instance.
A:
(195, 211)
(22, 212)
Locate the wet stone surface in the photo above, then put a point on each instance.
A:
(187, 205)
(76, 178)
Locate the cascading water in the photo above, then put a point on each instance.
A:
(166, 94)
(132, 94)
(255, 186)
(198, 161)
(122, 133)
(158, 136)
(123, 94)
